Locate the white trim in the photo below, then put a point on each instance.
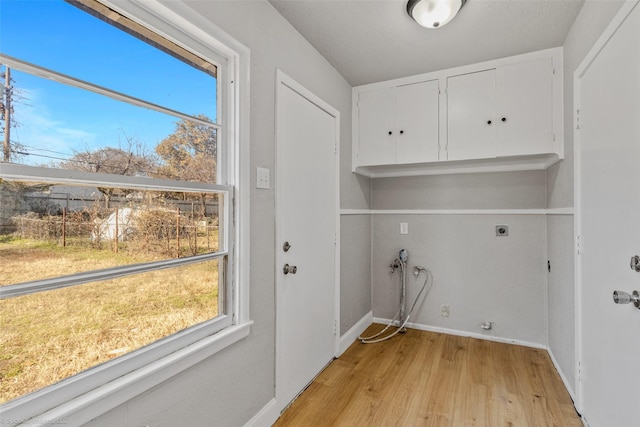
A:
(354, 332)
(88, 406)
(26, 288)
(61, 78)
(355, 211)
(14, 171)
(560, 211)
(570, 387)
(461, 333)
(268, 415)
(554, 211)
(531, 162)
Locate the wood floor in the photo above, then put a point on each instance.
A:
(429, 379)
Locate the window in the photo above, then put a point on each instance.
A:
(123, 219)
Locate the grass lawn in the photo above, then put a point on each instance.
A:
(49, 336)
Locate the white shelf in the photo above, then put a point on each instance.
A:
(498, 164)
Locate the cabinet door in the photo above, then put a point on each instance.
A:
(471, 107)
(376, 127)
(525, 113)
(417, 122)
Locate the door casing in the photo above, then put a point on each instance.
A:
(283, 80)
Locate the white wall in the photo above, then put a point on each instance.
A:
(231, 387)
(480, 276)
(592, 20)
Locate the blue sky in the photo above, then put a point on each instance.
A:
(55, 119)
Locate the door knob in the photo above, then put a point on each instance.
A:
(621, 297)
(289, 269)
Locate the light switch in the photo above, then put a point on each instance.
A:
(262, 178)
(404, 228)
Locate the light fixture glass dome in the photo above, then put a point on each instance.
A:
(434, 13)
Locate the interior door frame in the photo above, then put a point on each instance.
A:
(616, 22)
(283, 79)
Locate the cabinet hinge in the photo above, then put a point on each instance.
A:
(579, 371)
(335, 327)
(335, 147)
(577, 119)
(579, 244)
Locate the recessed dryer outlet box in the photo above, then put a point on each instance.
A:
(502, 230)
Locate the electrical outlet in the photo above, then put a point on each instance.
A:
(404, 228)
(445, 311)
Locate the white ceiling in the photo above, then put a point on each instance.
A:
(369, 41)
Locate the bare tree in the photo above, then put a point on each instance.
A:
(189, 154)
(132, 161)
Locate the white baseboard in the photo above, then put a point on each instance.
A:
(568, 386)
(353, 333)
(266, 417)
(466, 334)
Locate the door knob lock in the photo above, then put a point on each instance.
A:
(621, 297)
(286, 246)
(289, 269)
(635, 263)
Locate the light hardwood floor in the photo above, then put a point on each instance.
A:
(428, 379)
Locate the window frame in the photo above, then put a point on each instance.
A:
(84, 396)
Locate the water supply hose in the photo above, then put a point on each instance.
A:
(427, 281)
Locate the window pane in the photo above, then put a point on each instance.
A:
(56, 35)
(60, 126)
(56, 230)
(48, 336)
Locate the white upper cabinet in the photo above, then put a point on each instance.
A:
(471, 121)
(377, 118)
(398, 125)
(504, 111)
(501, 115)
(524, 113)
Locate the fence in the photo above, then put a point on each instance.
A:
(13, 204)
(143, 229)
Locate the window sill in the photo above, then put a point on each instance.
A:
(90, 405)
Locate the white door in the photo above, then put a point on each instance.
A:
(608, 224)
(306, 218)
(471, 122)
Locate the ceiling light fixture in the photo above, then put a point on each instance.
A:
(434, 13)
